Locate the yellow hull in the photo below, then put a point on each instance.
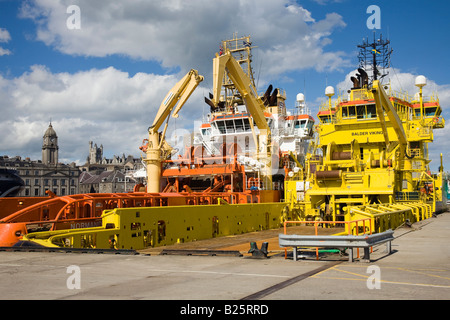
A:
(140, 228)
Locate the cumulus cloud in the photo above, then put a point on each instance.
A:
(186, 34)
(107, 106)
(114, 108)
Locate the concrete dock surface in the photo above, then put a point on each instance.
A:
(417, 269)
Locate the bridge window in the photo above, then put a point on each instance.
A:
(430, 112)
(206, 132)
(348, 112)
(247, 125)
(221, 126)
(230, 126)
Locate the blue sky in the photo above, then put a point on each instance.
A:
(104, 81)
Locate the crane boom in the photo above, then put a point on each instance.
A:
(255, 106)
(177, 95)
(384, 104)
(156, 142)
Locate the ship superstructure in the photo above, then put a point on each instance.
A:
(230, 123)
(374, 144)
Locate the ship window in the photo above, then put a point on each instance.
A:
(247, 124)
(230, 126)
(430, 112)
(239, 125)
(221, 126)
(361, 112)
(417, 112)
(351, 111)
(371, 111)
(206, 132)
(325, 119)
(344, 112)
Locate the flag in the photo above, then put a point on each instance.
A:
(247, 43)
(375, 51)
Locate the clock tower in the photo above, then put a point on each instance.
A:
(50, 146)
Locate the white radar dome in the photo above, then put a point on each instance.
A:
(421, 81)
(300, 97)
(329, 91)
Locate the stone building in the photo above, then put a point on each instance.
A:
(97, 162)
(106, 182)
(46, 174)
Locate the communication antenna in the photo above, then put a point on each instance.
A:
(375, 57)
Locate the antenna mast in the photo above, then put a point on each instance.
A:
(375, 57)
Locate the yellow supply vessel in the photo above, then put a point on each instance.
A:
(374, 152)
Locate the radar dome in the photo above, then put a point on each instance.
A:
(329, 91)
(421, 81)
(300, 97)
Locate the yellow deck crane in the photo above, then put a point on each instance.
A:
(157, 146)
(255, 106)
(383, 104)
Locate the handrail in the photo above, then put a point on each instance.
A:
(349, 229)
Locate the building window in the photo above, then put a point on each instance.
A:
(36, 191)
(36, 182)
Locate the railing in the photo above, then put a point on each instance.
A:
(349, 242)
(350, 229)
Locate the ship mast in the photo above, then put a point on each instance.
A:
(240, 49)
(375, 57)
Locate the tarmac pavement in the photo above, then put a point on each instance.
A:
(417, 269)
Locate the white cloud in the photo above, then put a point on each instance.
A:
(4, 37)
(106, 106)
(186, 34)
(4, 52)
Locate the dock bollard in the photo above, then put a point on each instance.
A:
(258, 253)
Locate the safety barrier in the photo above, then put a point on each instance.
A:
(355, 227)
(350, 242)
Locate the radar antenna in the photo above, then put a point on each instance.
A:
(375, 58)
